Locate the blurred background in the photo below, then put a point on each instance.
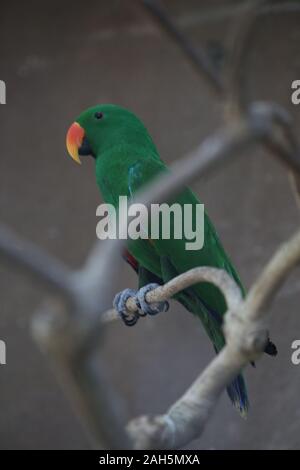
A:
(57, 58)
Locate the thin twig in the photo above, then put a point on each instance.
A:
(243, 33)
(199, 59)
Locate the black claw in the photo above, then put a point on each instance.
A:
(271, 349)
(129, 320)
(140, 312)
(155, 307)
(144, 308)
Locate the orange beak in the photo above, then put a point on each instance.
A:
(74, 140)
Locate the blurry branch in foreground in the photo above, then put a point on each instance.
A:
(71, 333)
(246, 327)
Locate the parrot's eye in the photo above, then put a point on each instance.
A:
(98, 115)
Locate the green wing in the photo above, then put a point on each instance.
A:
(150, 253)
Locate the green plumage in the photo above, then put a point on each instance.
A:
(126, 159)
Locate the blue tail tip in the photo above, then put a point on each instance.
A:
(238, 395)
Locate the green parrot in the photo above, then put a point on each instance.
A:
(125, 160)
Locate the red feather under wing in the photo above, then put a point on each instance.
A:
(130, 260)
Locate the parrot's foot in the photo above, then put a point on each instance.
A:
(144, 308)
(153, 308)
(119, 303)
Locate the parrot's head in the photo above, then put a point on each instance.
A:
(100, 128)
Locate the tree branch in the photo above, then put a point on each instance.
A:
(34, 260)
(218, 277)
(197, 56)
(246, 325)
